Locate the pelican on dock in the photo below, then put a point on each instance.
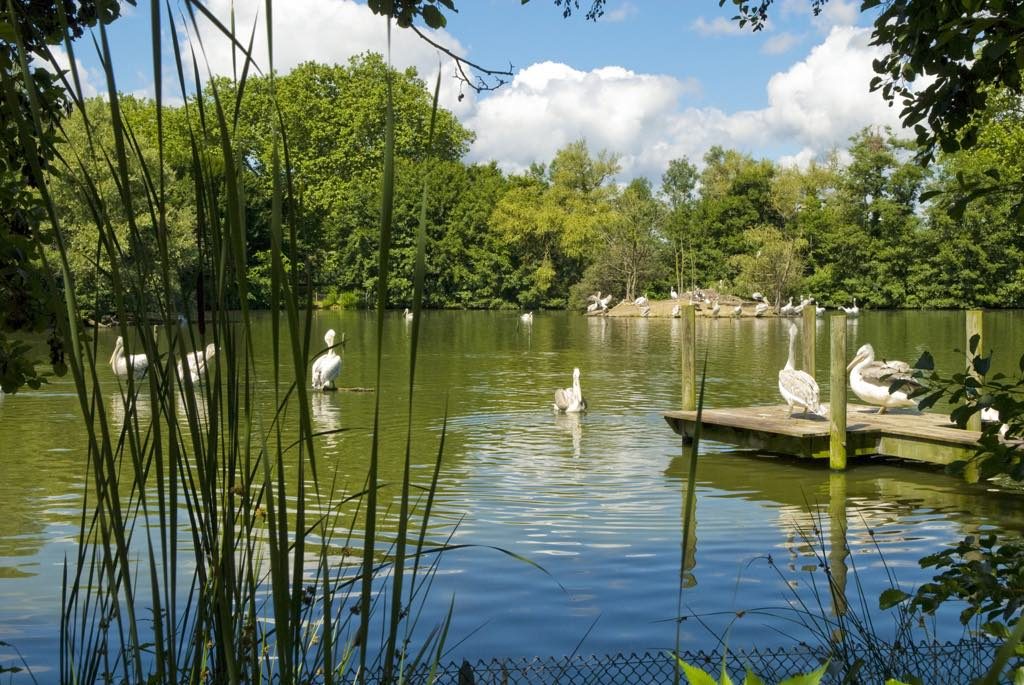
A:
(871, 380)
(196, 363)
(327, 367)
(852, 312)
(122, 364)
(798, 388)
(761, 308)
(570, 400)
(408, 314)
(526, 317)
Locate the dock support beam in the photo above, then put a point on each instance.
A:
(688, 318)
(809, 337)
(837, 394)
(974, 328)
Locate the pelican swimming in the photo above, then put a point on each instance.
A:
(121, 363)
(674, 294)
(798, 388)
(407, 314)
(645, 311)
(871, 380)
(327, 367)
(761, 308)
(196, 362)
(737, 311)
(570, 400)
(676, 311)
(852, 312)
(527, 317)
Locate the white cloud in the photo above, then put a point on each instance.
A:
(779, 43)
(331, 31)
(838, 13)
(719, 26)
(621, 12)
(813, 106)
(91, 82)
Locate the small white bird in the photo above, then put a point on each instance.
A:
(871, 380)
(674, 294)
(852, 312)
(819, 311)
(757, 297)
(592, 307)
(787, 309)
(327, 367)
(196, 363)
(798, 388)
(527, 317)
(570, 400)
(645, 311)
(761, 309)
(408, 314)
(640, 301)
(122, 364)
(605, 301)
(737, 311)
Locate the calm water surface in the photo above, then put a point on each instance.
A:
(595, 500)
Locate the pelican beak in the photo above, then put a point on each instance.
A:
(853, 362)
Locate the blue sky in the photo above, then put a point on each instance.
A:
(651, 81)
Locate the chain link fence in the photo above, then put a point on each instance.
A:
(950, 662)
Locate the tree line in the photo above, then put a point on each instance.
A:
(868, 222)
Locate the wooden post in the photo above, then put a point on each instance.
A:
(810, 337)
(689, 335)
(974, 328)
(837, 394)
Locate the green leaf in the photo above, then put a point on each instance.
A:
(812, 678)
(694, 675)
(891, 598)
(752, 678)
(433, 17)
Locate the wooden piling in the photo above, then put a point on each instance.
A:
(837, 394)
(809, 337)
(688, 317)
(974, 327)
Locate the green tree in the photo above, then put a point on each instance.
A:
(631, 243)
(679, 186)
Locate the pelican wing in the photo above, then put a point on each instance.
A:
(885, 373)
(564, 397)
(801, 386)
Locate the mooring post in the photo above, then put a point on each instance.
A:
(688, 315)
(974, 328)
(809, 338)
(837, 394)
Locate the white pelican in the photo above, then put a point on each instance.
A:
(328, 366)
(570, 400)
(605, 301)
(527, 317)
(761, 308)
(798, 388)
(674, 294)
(121, 363)
(852, 312)
(737, 311)
(871, 380)
(592, 307)
(787, 309)
(407, 314)
(757, 297)
(640, 301)
(645, 311)
(595, 301)
(715, 308)
(196, 363)
(676, 311)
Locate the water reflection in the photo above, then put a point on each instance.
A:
(326, 413)
(573, 425)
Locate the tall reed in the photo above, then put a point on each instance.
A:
(207, 553)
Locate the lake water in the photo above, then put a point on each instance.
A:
(596, 500)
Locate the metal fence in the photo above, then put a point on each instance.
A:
(951, 662)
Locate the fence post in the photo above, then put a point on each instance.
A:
(974, 327)
(810, 337)
(688, 318)
(837, 394)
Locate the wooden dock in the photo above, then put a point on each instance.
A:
(907, 434)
